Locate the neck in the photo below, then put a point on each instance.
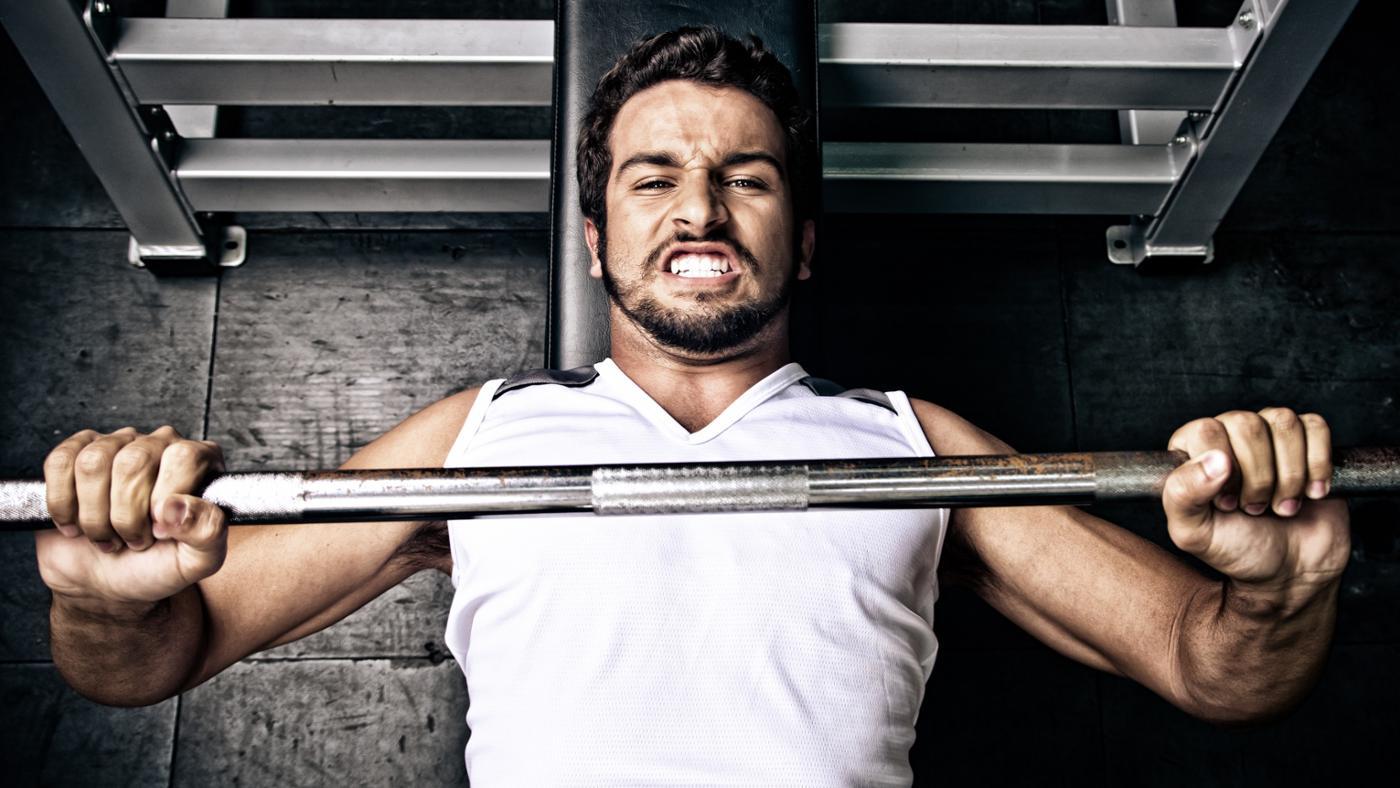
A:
(696, 389)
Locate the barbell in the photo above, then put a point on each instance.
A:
(1080, 478)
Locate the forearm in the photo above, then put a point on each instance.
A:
(1246, 654)
(127, 654)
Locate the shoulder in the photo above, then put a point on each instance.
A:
(421, 440)
(951, 434)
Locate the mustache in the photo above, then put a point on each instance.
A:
(718, 236)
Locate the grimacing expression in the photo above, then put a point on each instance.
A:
(698, 248)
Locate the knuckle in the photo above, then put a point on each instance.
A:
(166, 431)
(1231, 422)
(1203, 425)
(184, 452)
(1279, 418)
(1313, 421)
(1209, 429)
(133, 458)
(94, 458)
(59, 462)
(1251, 427)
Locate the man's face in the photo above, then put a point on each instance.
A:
(699, 249)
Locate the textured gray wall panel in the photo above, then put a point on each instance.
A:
(24, 601)
(88, 342)
(334, 722)
(54, 737)
(1307, 321)
(326, 341)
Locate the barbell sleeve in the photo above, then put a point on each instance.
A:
(789, 485)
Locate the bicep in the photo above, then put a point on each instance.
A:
(1091, 590)
(280, 583)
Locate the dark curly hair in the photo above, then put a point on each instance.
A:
(710, 57)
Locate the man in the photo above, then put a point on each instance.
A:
(738, 648)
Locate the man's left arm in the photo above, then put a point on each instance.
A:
(1247, 503)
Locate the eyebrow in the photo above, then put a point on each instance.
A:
(666, 159)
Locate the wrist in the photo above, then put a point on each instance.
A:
(91, 608)
(1275, 600)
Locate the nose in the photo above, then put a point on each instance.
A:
(699, 206)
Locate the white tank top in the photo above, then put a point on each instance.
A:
(758, 649)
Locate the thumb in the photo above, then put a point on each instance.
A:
(198, 527)
(1188, 495)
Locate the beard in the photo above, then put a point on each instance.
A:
(709, 327)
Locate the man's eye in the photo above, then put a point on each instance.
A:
(747, 183)
(653, 185)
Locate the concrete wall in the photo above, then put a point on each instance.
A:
(339, 326)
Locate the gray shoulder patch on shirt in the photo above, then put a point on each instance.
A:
(826, 388)
(573, 378)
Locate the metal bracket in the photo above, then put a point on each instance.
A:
(1131, 244)
(228, 248)
(1127, 245)
(222, 247)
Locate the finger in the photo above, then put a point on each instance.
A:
(60, 486)
(200, 529)
(93, 472)
(1187, 498)
(1203, 435)
(183, 467)
(1319, 440)
(1290, 459)
(133, 474)
(1253, 446)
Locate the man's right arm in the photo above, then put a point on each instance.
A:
(177, 596)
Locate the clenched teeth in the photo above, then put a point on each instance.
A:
(698, 265)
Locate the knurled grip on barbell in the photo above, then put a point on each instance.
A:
(686, 490)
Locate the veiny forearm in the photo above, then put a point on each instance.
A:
(127, 654)
(1246, 655)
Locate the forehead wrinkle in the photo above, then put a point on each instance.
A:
(681, 119)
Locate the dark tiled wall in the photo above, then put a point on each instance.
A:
(341, 325)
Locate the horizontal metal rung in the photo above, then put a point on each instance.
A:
(509, 62)
(1025, 66)
(383, 62)
(513, 175)
(996, 178)
(366, 175)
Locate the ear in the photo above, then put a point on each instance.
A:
(809, 247)
(590, 234)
